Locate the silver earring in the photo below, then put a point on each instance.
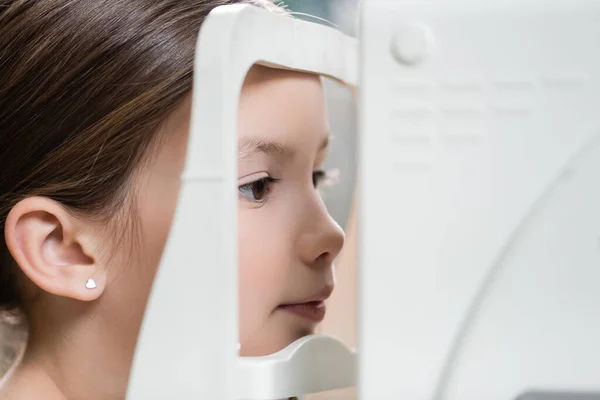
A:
(90, 284)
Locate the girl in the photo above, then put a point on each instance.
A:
(94, 119)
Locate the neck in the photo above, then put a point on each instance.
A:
(29, 382)
(75, 358)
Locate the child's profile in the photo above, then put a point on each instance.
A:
(94, 120)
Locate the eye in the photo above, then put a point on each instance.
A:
(318, 177)
(258, 190)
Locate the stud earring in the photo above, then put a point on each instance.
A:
(90, 284)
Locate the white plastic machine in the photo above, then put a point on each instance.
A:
(480, 145)
(479, 208)
(188, 347)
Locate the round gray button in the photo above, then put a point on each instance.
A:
(411, 43)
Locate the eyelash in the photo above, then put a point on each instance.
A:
(266, 184)
(318, 178)
(247, 190)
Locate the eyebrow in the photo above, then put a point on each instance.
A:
(250, 146)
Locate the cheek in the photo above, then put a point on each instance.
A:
(156, 208)
(265, 258)
(134, 267)
(156, 204)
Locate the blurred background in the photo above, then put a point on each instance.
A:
(342, 13)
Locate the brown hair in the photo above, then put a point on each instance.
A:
(84, 88)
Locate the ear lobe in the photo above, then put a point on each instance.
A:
(47, 244)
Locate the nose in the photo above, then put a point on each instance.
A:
(321, 239)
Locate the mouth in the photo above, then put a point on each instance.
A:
(312, 308)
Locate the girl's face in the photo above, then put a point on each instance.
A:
(287, 240)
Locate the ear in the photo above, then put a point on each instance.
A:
(52, 249)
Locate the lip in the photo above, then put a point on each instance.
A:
(312, 308)
(313, 311)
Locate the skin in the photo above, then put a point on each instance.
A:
(81, 341)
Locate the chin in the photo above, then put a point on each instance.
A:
(271, 341)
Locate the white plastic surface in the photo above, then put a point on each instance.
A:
(312, 364)
(187, 346)
(480, 199)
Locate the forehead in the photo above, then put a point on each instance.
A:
(286, 106)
